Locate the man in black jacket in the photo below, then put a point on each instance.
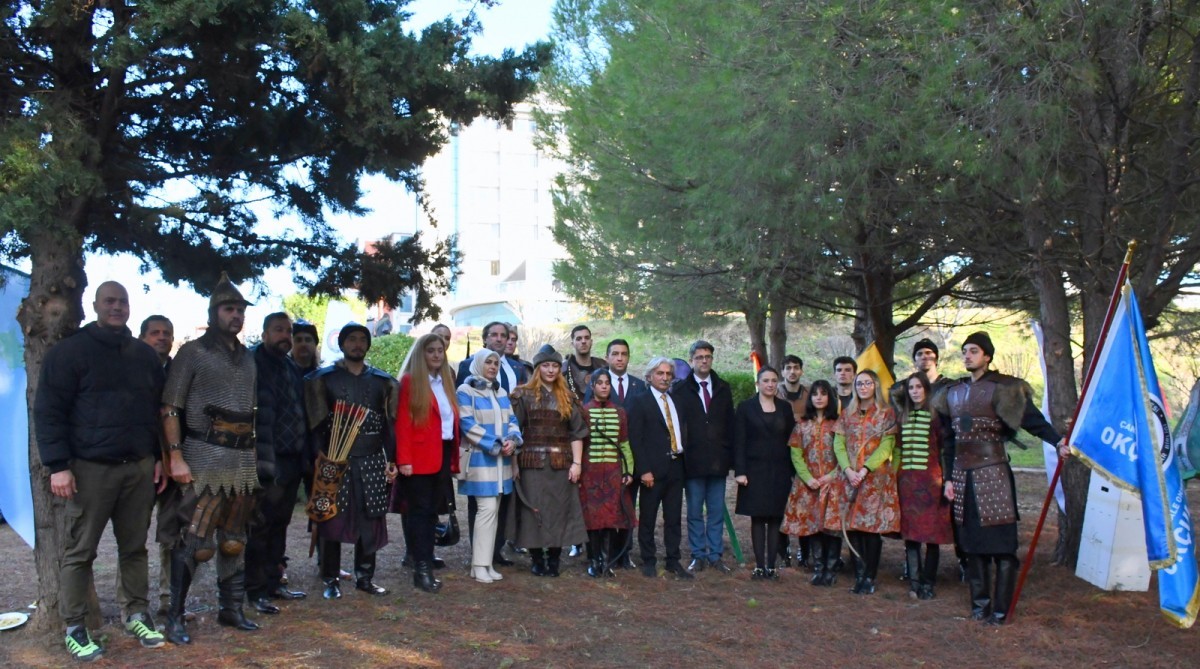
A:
(281, 433)
(96, 420)
(706, 409)
(657, 438)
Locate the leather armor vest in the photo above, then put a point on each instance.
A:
(546, 440)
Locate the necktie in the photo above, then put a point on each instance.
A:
(621, 387)
(704, 393)
(670, 424)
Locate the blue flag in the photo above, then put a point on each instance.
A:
(1122, 432)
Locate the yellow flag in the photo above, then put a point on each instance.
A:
(872, 360)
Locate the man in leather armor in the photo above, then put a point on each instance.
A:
(208, 422)
(978, 414)
(362, 497)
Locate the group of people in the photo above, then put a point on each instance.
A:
(554, 453)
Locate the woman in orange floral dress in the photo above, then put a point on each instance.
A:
(866, 434)
(813, 508)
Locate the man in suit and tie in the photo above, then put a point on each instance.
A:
(705, 404)
(657, 438)
(495, 338)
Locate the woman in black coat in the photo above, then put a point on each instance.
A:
(762, 467)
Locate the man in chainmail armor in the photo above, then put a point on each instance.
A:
(211, 385)
(362, 497)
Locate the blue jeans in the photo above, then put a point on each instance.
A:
(705, 494)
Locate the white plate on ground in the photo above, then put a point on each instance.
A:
(12, 620)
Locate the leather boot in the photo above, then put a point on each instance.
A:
(423, 577)
(593, 569)
(804, 552)
(552, 562)
(603, 549)
(181, 580)
(979, 584)
(929, 571)
(333, 588)
(833, 554)
(857, 561)
(912, 561)
(231, 592)
(364, 574)
(1006, 581)
(817, 550)
(872, 545)
(537, 559)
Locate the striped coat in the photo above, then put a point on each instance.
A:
(486, 420)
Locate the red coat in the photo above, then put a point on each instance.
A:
(421, 445)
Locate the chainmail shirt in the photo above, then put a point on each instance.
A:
(205, 374)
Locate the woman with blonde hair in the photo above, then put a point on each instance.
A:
(490, 437)
(426, 445)
(547, 514)
(864, 436)
(426, 438)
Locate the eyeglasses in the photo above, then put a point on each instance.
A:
(863, 384)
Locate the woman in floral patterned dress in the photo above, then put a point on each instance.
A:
(813, 508)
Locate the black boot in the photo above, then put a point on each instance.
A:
(929, 571)
(604, 548)
(181, 580)
(857, 561)
(816, 550)
(593, 568)
(833, 555)
(912, 561)
(364, 574)
(872, 545)
(804, 552)
(553, 561)
(783, 552)
(979, 584)
(231, 592)
(1006, 582)
(423, 577)
(537, 559)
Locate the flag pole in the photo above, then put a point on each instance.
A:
(1087, 383)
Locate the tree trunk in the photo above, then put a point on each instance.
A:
(52, 310)
(756, 321)
(1060, 385)
(778, 334)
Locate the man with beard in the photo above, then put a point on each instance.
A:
(844, 370)
(158, 333)
(281, 435)
(212, 387)
(579, 366)
(305, 344)
(523, 368)
(95, 417)
(362, 496)
(791, 390)
(978, 414)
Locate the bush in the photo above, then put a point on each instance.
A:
(741, 384)
(388, 352)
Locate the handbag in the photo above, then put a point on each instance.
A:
(447, 533)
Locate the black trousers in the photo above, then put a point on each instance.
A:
(667, 492)
(425, 494)
(267, 542)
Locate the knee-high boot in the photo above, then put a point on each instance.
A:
(833, 553)
(929, 570)
(912, 566)
(979, 584)
(552, 562)
(857, 555)
(817, 549)
(181, 580)
(537, 558)
(231, 592)
(593, 549)
(1006, 581)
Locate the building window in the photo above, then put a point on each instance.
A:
(495, 268)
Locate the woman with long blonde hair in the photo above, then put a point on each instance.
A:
(864, 436)
(547, 514)
(426, 447)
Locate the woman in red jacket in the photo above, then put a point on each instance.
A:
(426, 447)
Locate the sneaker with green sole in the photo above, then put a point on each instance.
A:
(140, 626)
(80, 644)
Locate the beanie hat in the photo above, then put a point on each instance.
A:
(983, 341)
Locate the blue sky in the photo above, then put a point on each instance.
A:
(511, 24)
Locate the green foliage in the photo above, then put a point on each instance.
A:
(387, 352)
(741, 384)
(154, 128)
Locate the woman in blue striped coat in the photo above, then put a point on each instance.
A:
(490, 435)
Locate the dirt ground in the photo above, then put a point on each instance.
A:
(575, 621)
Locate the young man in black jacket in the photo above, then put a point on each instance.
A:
(96, 419)
(705, 404)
